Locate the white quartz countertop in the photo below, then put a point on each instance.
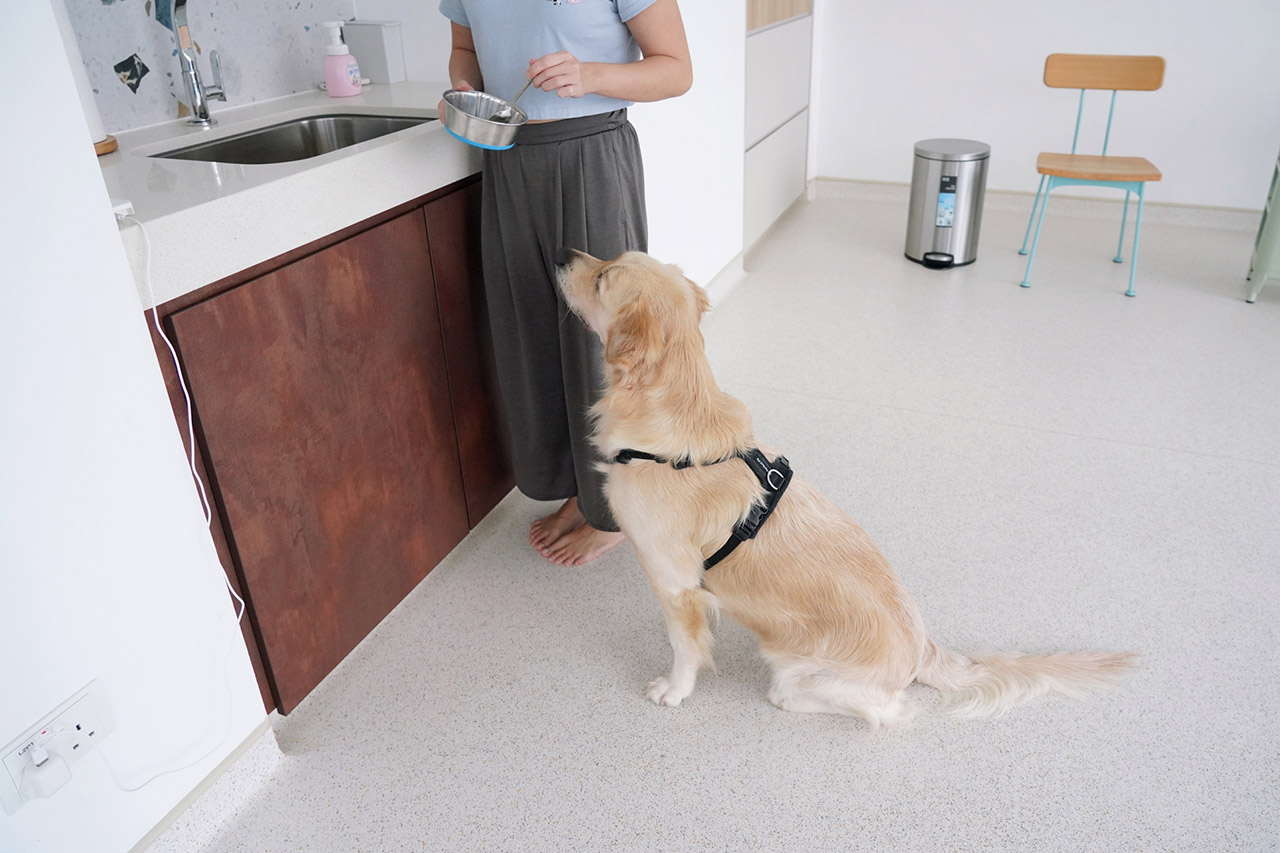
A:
(205, 221)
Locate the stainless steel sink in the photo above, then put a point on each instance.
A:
(295, 140)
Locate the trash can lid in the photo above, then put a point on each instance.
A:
(952, 150)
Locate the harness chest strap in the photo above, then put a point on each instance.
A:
(774, 476)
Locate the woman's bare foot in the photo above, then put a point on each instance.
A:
(547, 530)
(581, 545)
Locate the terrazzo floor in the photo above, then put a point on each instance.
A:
(1050, 468)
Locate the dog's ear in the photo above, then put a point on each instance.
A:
(700, 297)
(635, 339)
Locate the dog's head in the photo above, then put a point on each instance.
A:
(639, 307)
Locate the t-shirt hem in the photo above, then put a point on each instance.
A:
(595, 110)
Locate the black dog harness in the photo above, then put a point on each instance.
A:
(775, 476)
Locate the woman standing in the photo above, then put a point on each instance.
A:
(573, 180)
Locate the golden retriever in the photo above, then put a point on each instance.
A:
(837, 626)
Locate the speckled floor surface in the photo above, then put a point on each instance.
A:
(1051, 468)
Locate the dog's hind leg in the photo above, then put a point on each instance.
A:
(806, 687)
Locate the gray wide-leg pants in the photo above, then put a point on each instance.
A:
(578, 184)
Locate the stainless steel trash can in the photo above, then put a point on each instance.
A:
(948, 182)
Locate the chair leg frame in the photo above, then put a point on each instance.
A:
(1130, 187)
(1032, 218)
(1256, 285)
(1124, 218)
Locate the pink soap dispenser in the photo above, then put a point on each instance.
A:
(341, 74)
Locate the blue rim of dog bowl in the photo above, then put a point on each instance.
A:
(478, 144)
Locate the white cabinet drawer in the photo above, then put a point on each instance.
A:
(775, 176)
(777, 76)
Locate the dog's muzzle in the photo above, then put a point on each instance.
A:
(566, 256)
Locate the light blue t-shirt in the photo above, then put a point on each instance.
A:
(508, 33)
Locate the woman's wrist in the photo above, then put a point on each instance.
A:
(591, 72)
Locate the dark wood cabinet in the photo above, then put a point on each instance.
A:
(453, 231)
(340, 400)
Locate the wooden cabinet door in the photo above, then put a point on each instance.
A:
(324, 410)
(453, 231)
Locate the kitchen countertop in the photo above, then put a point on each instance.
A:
(206, 221)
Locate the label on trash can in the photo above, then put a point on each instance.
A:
(946, 202)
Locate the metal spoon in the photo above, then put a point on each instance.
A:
(506, 113)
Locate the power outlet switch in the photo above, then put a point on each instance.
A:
(69, 731)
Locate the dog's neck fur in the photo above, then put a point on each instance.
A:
(672, 407)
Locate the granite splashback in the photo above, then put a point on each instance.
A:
(268, 49)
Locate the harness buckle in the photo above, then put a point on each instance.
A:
(751, 524)
(774, 480)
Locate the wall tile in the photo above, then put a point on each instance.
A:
(268, 49)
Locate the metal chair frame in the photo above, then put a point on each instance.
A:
(1055, 181)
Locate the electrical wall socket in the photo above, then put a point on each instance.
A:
(72, 729)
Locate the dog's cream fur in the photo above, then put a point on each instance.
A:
(841, 632)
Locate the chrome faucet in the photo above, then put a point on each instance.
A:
(198, 95)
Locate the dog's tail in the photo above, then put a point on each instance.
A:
(994, 684)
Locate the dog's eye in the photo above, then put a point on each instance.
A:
(600, 277)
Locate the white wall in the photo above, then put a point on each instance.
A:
(108, 570)
(424, 31)
(693, 145)
(895, 73)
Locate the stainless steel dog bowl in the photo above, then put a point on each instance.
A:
(468, 115)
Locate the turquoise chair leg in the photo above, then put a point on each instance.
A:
(1256, 287)
(1034, 205)
(1119, 259)
(1137, 233)
(1026, 277)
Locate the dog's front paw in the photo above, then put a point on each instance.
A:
(663, 692)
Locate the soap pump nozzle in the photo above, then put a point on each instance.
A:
(335, 47)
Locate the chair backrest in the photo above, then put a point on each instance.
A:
(1095, 71)
(1085, 71)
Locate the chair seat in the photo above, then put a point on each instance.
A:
(1090, 167)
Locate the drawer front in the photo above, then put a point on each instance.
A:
(778, 62)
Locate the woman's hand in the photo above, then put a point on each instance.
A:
(562, 73)
(463, 86)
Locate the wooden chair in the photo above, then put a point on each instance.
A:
(1089, 71)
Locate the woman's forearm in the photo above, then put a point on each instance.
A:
(665, 71)
(653, 78)
(464, 67)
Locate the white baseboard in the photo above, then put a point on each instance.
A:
(719, 288)
(205, 784)
(1065, 204)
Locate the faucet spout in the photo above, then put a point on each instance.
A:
(198, 95)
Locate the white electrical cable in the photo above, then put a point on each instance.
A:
(186, 395)
(226, 731)
(208, 517)
(48, 736)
